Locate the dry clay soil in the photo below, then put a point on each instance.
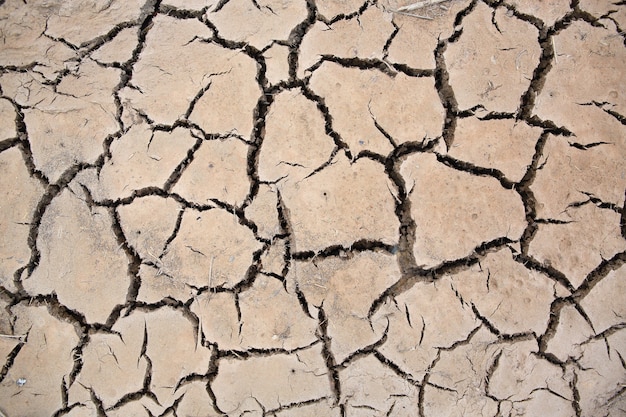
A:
(312, 208)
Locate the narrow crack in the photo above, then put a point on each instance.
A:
(327, 353)
(10, 358)
(411, 273)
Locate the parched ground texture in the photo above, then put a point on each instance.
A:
(312, 208)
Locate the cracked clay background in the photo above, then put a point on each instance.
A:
(291, 208)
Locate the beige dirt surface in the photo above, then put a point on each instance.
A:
(313, 208)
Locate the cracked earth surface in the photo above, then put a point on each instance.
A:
(312, 208)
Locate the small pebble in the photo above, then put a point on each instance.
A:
(21, 382)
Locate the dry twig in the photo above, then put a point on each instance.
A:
(418, 5)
